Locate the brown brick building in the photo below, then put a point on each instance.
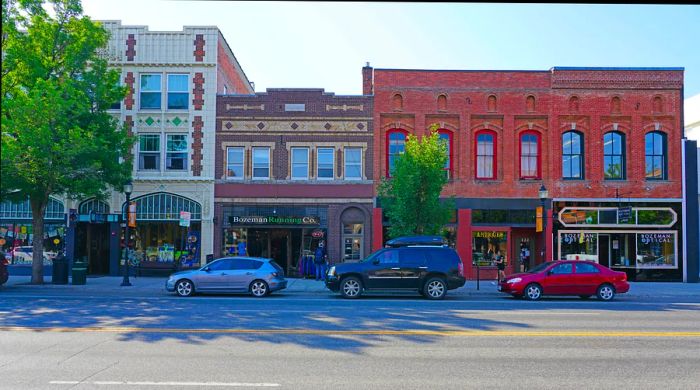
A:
(294, 167)
(605, 143)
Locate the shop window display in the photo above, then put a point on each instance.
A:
(579, 246)
(656, 250)
(485, 246)
(17, 240)
(166, 242)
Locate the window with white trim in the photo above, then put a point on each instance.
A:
(261, 163)
(150, 94)
(176, 152)
(235, 162)
(325, 158)
(149, 152)
(178, 95)
(300, 163)
(353, 163)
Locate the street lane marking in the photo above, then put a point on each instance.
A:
(198, 384)
(370, 332)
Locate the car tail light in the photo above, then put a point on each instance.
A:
(460, 269)
(5, 262)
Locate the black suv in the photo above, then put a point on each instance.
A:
(422, 264)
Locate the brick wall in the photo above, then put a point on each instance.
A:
(229, 73)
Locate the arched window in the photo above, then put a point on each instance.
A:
(446, 136)
(395, 145)
(397, 102)
(530, 155)
(572, 155)
(485, 155)
(655, 153)
(162, 206)
(614, 156)
(23, 210)
(92, 204)
(442, 103)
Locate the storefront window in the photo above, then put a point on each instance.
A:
(17, 240)
(486, 245)
(656, 250)
(579, 246)
(235, 242)
(654, 217)
(166, 242)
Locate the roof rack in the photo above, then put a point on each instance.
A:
(416, 241)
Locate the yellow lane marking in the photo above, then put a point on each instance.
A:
(376, 332)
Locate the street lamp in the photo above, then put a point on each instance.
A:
(128, 188)
(544, 194)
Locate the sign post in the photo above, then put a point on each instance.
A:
(185, 217)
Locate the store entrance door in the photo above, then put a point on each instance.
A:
(280, 248)
(604, 249)
(92, 245)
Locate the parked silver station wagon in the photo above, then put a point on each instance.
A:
(255, 275)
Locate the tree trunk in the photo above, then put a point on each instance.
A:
(38, 209)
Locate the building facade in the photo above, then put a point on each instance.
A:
(294, 169)
(604, 142)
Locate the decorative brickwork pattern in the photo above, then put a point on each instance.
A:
(198, 91)
(197, 135)
(130, 47)
(129, 82)
(199, 48)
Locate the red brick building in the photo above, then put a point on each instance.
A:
(605, 142)
(294, 167)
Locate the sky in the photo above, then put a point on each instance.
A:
(325, 45)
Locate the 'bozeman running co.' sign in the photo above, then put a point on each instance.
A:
(274, 220)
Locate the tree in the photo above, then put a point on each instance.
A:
(57, 137)
(411, 197)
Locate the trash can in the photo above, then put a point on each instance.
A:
(79, 272)
(59, 274)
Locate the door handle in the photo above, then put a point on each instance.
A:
(396, 268)
(248, 273)
(423, 267)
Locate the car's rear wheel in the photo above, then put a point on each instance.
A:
(533, 292)
(435, 288)
(351, 287)
(184, 288)
(606, 292)
(259, 288)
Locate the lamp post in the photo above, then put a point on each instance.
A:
(127, 191)
(544, 194)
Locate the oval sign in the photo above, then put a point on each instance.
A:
(317, 234)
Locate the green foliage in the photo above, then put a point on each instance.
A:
(411, 197)
(57, 137)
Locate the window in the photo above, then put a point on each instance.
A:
(655, 152)
(529, 156)
(176, 152)
(150, 91)
(614, 156)
(446, 137)
(300, 163)
(583, 268)
(353, 163)
(562, 269)
(222, 265)
(485, 155)
(261, 163)
(390, 256)
(234, 162)
(149, 152)
(396, 145)
(325, 163)
(177, 91)
(572, 155)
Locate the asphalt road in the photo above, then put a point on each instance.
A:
(302, 342)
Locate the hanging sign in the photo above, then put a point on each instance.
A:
(538, 222)
(317, 233)
(132, 214)
(185, 217)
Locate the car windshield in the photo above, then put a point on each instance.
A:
(540, 268)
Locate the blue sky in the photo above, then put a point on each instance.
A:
(325, 45)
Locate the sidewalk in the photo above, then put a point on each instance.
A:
(149, 287)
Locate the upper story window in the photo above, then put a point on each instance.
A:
(300, 163)
(118, 104)
(178, 96)
(485, 155)
(261, 163)
(396, 145)
(235, 156)
(353, 163)
(150, 91)
(655, 153)
(149, 152)
(176, 152)
(446, 137)
(572, 155)
(529, 155)
(325, 158)
(614, 155)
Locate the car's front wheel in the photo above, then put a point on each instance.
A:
(259, 288)
(533, 292)
(435, 288)
(184, 288)
(351, 287)
(606, 292)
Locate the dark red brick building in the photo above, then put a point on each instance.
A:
(605, 143)
(294, 167)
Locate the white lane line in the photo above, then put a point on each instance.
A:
(193, 384)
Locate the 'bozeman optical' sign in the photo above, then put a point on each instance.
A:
(274, 220)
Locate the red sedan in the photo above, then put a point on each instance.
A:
(564, 277)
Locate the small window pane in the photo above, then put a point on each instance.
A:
(325, 163)
(300, 163)
(261, 163)
(177, 91)
(150, 91)
(353, 163)
(234, 163)
(176, 158)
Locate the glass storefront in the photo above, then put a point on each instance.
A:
(579, 246)
(17, 231)
(486, 245)
(166, 242)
